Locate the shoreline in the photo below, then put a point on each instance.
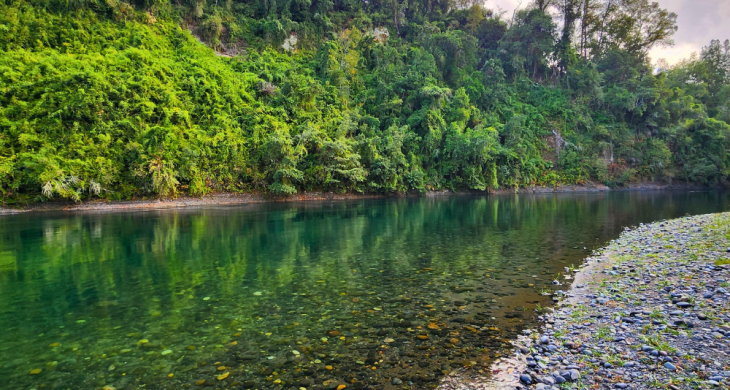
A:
(649, 310)
(223, 199)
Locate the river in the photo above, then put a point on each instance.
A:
(373, 294)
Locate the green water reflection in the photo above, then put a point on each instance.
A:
(281, 296)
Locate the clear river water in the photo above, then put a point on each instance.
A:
(374, 294)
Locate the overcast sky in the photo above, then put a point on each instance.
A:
(699, 21)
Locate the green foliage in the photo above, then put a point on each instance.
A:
(119, 99)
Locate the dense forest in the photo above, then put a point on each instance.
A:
(115, 99)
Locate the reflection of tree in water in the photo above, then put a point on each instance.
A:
(105, 283)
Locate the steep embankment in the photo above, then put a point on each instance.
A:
(98, 107)
(117, 100)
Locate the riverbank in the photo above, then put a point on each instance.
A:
(222, 199)
(651, 310)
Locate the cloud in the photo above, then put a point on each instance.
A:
(506, 5)
(674, 53)
(699, 21)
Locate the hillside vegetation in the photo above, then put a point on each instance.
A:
(154, 98)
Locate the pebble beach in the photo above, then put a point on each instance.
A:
(649, 311)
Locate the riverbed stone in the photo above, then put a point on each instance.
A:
(664, 289)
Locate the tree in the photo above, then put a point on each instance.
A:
(528, 42)
(544, 5)
(571, 11)
(589, 23)
(715, 61)
(635, 26)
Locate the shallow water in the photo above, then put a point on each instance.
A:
(280, 296)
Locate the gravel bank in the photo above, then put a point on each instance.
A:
(650, 311)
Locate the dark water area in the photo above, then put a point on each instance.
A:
(298, 295)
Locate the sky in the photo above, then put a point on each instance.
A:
(699, 21)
